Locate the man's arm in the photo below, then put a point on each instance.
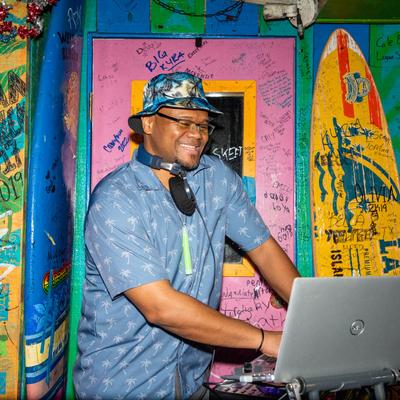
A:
(187, 317)
(275, 266)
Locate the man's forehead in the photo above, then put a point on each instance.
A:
(184, 112)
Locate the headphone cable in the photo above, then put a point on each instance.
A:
(209, 238)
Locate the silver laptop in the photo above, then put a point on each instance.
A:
(336, 326)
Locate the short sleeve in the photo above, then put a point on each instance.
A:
(119, 245)
(244, 224)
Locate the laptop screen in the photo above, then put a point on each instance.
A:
(337, 326)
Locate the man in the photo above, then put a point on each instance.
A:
(154, 238)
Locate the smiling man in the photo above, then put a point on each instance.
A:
(155, 233)
(187, 134)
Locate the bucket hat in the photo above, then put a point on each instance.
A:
(175, 90)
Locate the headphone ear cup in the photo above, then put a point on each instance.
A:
(182, 195)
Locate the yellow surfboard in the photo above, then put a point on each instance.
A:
(354, 178)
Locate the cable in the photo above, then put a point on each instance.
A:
(209, 238)
(238, 5)
(283, 396)
(213, 387)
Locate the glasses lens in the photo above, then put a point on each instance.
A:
(204, 129)
(184, 125)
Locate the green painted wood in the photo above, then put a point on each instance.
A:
(36, 50)
(81, 198)
(360, 11)
(303, 90)
(164, 20)
(385, 67)
(281, 28)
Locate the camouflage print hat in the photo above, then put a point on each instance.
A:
(175, 90)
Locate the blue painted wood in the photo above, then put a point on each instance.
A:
(123, 16)
(50, 202)
(242, 20)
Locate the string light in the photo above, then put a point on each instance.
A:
(34, 20)
(235, 6)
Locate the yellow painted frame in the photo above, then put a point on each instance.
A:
(136, 106)
(248, 89)
(137, 96)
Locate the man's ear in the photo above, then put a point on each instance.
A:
(147, 124)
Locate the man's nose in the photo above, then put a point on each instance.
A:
(194, 130)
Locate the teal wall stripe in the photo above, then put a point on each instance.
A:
(304, 86)
(304, 89)
(82, 177)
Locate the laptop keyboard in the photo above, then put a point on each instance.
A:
(236, 391)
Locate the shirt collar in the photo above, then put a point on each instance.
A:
(147, 180)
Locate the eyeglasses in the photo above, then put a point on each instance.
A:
(185, 124)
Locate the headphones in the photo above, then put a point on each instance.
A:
(178, 185)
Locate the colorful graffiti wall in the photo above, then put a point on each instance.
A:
(13, 56)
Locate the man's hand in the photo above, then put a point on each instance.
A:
(275, 266)
(272, 341)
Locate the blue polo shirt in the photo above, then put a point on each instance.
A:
(133, 236)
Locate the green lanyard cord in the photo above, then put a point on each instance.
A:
(186, 251)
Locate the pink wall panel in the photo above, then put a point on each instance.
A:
(267, 61)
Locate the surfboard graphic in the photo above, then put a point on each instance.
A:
(354, 178)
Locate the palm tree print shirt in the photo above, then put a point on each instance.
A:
(133, 236)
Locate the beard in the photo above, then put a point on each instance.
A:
(188, 165)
